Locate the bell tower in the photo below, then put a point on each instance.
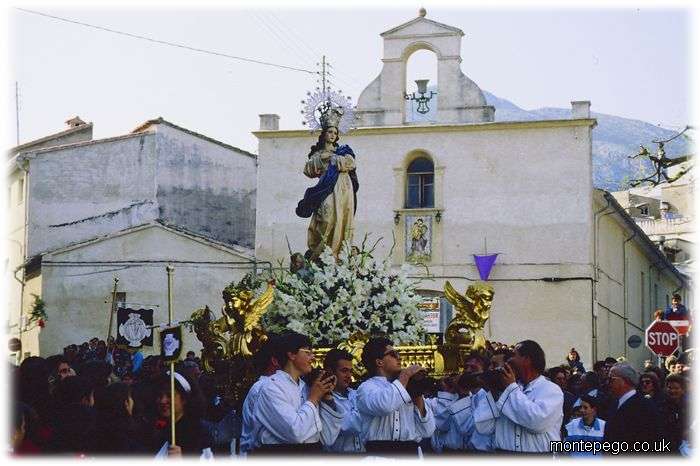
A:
(459, 99)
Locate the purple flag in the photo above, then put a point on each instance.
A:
(484, 265)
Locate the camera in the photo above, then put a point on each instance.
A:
(469, 381)
(316, 374)
(421, 383)
(492, 377)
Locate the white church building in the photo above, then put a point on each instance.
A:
(572, 270)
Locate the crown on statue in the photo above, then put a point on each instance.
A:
(331, 116)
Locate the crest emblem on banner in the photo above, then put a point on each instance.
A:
(171, 343)
(133, 327)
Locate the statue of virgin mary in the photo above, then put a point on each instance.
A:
(332, 203)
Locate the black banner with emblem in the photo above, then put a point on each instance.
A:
(133, 328)
(171, 343)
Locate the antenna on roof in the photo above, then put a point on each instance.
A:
(17, 108)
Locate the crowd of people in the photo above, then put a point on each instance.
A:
(99, 400)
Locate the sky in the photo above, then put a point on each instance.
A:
(632, 60)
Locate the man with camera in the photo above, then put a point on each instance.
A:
(528, 413)
(339, 364)
(464, 435)
(394, 415)
(294, 418)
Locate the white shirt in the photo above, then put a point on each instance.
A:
(525, 419)
(626, 397)
(249, 427)
(462, 419)
(577, 430)
(287, 417)
(349, 439)
(389, 414)
(444, 435)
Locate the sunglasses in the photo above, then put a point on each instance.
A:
(393, 353)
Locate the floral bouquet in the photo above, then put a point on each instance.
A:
(329, 300)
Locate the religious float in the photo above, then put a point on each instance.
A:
(336, 293)
(337, 303)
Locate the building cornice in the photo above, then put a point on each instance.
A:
(440, 128)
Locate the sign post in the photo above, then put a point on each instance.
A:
(662, 338)
(170, 269)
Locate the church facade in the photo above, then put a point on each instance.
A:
(442, 191)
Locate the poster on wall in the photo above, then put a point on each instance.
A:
(431, 314)
(418, 244)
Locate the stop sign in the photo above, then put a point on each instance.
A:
(662, 338)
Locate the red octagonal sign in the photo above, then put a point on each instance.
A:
(662, 338)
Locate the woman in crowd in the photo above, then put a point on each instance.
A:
(32, 388)
(674, 411)
(191, 437)
(650, 387)
(74, 416)
(116, 432)
(574, 361)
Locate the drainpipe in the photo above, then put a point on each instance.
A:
(624, 286)
(22, 164)
(594, 282)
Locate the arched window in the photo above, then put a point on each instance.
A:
(419, 184)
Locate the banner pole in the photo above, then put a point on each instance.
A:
(170, 269)
(112, 308)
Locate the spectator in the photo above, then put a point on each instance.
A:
(574, 384)
(136, 359)
(676, 311)
(558, 376)
(191, 437)
(115, 430)
(574, 361)
(660, 374)
(59, 369)
(71, 353)
(101, 351)
(20, 422)
(674, 415)
(588, 427)
(669, 363)
(98, 372)
(33, 389)
(221, 421)
(91, 352)
(128, 378)
(190, 369)
(635, 418)
(74, 417)
(650, 387)
(144, 390)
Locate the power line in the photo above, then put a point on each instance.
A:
(172, 44)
